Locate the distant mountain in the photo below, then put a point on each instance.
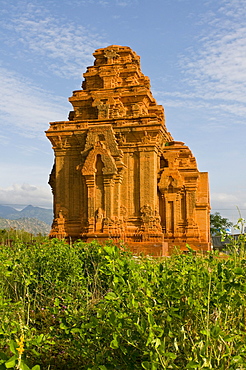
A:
(6, 210)
(42, 214)
(31, 225)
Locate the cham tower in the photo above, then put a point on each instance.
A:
(118, 173)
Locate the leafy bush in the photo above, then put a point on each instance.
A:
(87, 306)
(10, 236)
(218, 224)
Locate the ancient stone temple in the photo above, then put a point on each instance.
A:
(118, 173)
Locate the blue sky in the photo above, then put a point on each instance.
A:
(193, 51)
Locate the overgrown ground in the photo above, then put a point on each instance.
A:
(85, 306)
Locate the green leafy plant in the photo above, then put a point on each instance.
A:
(218, 224)
(97, 307)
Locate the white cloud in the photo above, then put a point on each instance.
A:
(224, 198)
(26, 194)
(228, 201)
(122, 3)
(4, 140)
(230, 205)
(215, 68)
(45, 43)
(25, 107)
(233, 8)
(221, 63)
(217, 111)
(104, 2)
(64, 48)
(25, 171)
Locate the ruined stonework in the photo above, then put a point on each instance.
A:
(118, 173)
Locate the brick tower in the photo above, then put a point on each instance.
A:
(118, 173)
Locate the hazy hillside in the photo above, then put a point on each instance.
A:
(42, 214)
(31, 225)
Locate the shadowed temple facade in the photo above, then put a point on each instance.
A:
(118, 173)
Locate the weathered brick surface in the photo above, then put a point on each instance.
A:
(118, 173)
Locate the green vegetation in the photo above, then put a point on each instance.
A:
(13, 236)
(87, 306)
(218, 224)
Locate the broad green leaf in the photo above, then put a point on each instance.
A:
(57, 302)
(109, 249)
(151, 319)
(215, 331)
(40, 338)
(13, 345)
(236, 359)
(192, 365)
(24, 366)
(239, 271)
(169, 319)
(75, 330)
(205, 332)
(157, 342)
(114, 343)
(228, 338)
(11, 362)
(146, 365)
(170, 355)
(63, 326)
(35, 352)
(110, 296)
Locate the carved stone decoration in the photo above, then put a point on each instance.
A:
(123, 212)
(146, 138)
(150, 219)
(110, 55)
(170, 181)
(105, 135)
(121, 139)
(102, 108)
(59, 225)
(118, 173)
(59, 142)
(146, 212)
(118, 109)
(108, 161)
(99, 218)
